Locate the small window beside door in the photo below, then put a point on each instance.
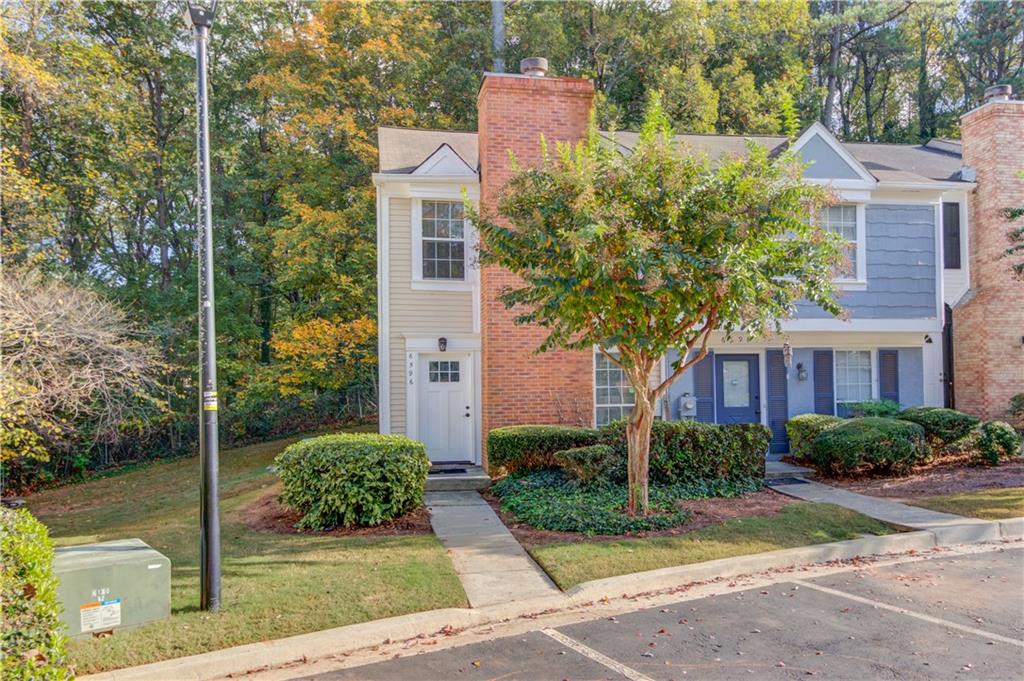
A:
(443, 371)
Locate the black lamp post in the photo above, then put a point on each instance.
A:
(200, 17)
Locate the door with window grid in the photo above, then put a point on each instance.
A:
(445, 406)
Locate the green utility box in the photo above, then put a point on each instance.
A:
(112, 585)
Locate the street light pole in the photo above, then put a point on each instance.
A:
(201, 19)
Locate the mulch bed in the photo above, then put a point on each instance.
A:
(943, 477)
(268, 514)
(704, 512)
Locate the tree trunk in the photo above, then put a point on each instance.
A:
(638, 440)
(832, 79)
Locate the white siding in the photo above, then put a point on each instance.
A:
(415, 313)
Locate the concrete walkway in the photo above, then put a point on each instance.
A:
(946, 526)
(491, 564)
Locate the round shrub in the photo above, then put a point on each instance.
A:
(587, 464)
(942, 426)
(998, 440)
(887, 408)
(522, 448)
(353, 478)
(1017, 410)
(803, 429)
(32, 640)
(870, 444)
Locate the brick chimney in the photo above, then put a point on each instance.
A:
(518, 386)
(988, 326)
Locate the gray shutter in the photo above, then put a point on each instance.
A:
(824, 395)
(704, 388)
(951, 235)
(889, 375)
(778, 409)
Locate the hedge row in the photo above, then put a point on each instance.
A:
(32, 639)
(681, 451)
(871, 443)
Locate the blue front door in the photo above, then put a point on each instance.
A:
(737, 397)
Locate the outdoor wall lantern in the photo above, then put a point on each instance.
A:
(801, 372)
(787, 354)
(442, 343)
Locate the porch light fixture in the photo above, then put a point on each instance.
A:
(442, 343)
(801, 372)
(787, 354)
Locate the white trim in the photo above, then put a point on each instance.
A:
(940, 279)
(860, 280)
(867, 180)
(923, 325)
(418, 283)
(932, 368)
(383, 313)
(444, 162)
(384, 178)
(423, 343)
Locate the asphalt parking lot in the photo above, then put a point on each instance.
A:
(947, 617)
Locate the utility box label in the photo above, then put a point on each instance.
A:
(100, 615)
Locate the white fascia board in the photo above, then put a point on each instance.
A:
(406, 178)
(922, 325)
(936, 186)
(444, 162)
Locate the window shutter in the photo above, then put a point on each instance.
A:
(777, 401)
(889, 375)
(824, 395)
(951, 235)
(704, 388)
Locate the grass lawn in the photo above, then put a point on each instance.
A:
(798, 524)
(990, 504)
(272, 585)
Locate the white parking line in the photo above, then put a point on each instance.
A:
(589, 652)
(910, 613)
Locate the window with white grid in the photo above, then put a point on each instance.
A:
(613, 397)
(444, 240)
(853, 376)
(842, 219)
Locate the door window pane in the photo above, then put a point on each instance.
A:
(736, 383)
(443, 372)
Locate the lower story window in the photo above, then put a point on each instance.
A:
(613, 397)
(853, 376)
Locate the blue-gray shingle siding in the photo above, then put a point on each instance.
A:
(901, 276)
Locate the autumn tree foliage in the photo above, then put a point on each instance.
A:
(655, 250)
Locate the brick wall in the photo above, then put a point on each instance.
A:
(988, 327)
(519, 386)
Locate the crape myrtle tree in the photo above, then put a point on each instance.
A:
(636, 254)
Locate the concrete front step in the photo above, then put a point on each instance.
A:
(473, 479)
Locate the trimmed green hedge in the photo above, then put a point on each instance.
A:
(522, 448)
(689, 451)
(942, 426)
(587, 464)
(33, 641)
(998, 440)
(872, 444)
(887, 408)
(804, 428)
(353, 478)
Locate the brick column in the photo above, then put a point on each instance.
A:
(519, 386)
(988, 326)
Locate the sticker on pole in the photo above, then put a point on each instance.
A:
(210, 400)
(100, 615)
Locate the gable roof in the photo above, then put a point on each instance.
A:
(402, 150)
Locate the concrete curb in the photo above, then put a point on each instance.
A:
(341, 640)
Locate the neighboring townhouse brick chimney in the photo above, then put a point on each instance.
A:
(519, 386)
(988, 325)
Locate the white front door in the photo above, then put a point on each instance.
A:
(445, 405)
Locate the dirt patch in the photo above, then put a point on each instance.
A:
(945, 477)
(268, 514)
(704, 512)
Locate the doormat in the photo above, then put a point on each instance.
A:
(447, 471)
(785, 481)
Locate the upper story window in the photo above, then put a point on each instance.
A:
(443, 241)
(613, 398)
(847, 220)
(951, 235)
